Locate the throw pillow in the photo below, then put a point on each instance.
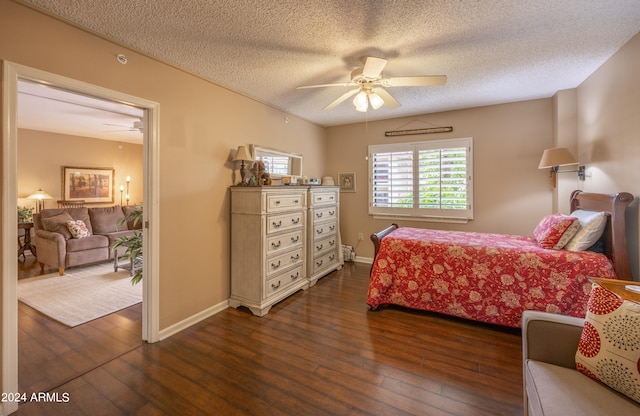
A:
(555, 230)
(78, 229)
(592, 225)
(609, 347)
(58, 224)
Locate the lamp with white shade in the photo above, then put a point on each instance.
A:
(555, 157)
(242, 155)
(39, 196)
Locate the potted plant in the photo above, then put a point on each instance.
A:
(25, 214)
(133, 243)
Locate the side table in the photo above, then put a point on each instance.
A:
(26, 226)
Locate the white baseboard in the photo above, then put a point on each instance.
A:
(367, 260)
(192, 320)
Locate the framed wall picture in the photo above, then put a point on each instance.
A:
(347, 181)
(91, 185)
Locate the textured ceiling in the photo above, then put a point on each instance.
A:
(492, 51)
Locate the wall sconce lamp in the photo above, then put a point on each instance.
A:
(559, 156)
(243, 156)
(127, 196)
(39, 196)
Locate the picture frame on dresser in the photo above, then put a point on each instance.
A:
(347, 181)
(92, 185)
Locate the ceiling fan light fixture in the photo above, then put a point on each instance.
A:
(360, 101)
(375, 100)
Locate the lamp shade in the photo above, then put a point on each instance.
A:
(40, 195)
(557, 156)
(242, 154)
(376, 101)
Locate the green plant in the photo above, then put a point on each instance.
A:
(133, 243)
(25, 214)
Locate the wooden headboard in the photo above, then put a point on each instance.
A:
(614, 236)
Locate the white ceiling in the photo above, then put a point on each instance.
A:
(492, 51)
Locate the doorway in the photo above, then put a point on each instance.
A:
(12, 73)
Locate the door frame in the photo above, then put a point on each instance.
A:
(11, 73)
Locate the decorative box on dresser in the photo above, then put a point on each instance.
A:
(324, 246)
(268, 245)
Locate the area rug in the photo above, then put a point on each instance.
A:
(81, 294)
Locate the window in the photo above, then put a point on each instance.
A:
(430, 179)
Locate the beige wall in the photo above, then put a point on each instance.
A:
(510, 194)
(41, 156)
(608, 105)
(200, 124)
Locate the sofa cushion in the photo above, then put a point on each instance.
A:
(78, 229)
(58, 224)
(81, 213)
(88, 243)
(609, 347)
(105, 220)
(554, 390)
(129, 209)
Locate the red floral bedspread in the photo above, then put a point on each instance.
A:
(490, 278)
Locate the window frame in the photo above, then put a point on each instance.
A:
(416, 213)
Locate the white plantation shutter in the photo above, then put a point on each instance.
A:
(430, 179)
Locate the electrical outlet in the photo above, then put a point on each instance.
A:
(360, 236)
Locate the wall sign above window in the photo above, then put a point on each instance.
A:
(430, 130)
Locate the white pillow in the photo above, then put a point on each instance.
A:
(592, 225)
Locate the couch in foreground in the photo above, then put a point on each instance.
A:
(68, 237)
(552, 385)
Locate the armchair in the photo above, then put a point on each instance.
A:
(552, 385)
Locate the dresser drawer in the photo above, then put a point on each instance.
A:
(283, 261)
(282, 281)
(284, 202)
(284, 241)
(325, 261)
(325, 244)
(324, 229)
(321, 198)
(276, 223)
(325, 214)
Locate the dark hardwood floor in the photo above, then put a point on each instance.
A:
(319, 352)
(51, 354)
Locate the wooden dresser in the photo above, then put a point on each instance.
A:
(324, 246)
(283, 239)
(268, 245)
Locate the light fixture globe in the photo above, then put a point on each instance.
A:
(375, 100)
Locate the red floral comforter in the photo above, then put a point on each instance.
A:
(490, 278)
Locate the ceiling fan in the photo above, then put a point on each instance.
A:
(137, 126)
(369, 84)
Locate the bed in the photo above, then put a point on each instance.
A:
(493, 278)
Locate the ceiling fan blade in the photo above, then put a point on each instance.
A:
(417, 81)
(373, 67)
(342, 98)
(342, 84)
(389, 101)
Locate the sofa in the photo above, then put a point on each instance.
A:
(61, 243)
(552, 385)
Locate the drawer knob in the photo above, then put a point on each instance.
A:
(319, 231)
(295, 276)
(318, 214)
(318, 248)
(296, 201)
(332, 242)
(278, 202)
(331, 257)
(274, 286)
(277, 224)
(295, 239)
(332, 227)
(275, 265)
(332, 213)
(319, 263)
(295, 258)
(295, 220)
(276, 245)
